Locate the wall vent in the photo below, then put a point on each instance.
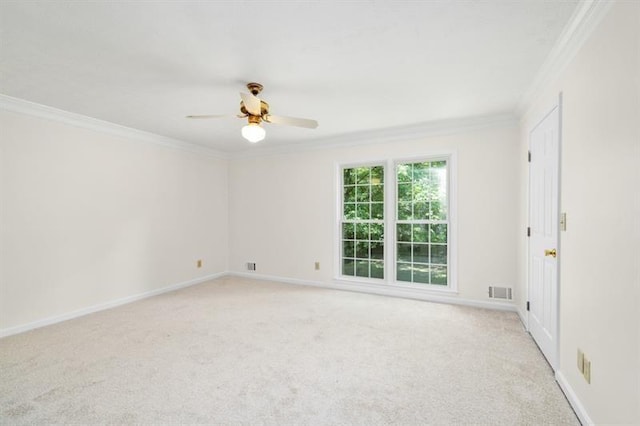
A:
(504, 293)
(251, 266)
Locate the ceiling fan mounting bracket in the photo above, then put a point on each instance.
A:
(254, 88)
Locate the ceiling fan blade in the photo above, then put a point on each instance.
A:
(291, 121)
(211, 116)
(251, 103)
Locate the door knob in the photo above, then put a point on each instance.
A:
(551, 253)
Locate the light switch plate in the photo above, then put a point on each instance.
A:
(587, 371)
(580, 361)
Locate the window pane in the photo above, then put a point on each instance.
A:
(362, 249)
(404, 173)
(404, 232)
(362, 268)
(377, 193)
(377, 269)
(421, 253)
(438, 233)
(403, 272)
(349, 210)
(420, 273)
(363, 193)
(439, 254)
(363, 212)
(421, 233)
(377, 211)
(438, 211)
(404, 192)
(377, 250)
(348, 267)
(348, 231)
(377, 174)
(349, 194)
(348, 249)
(404, 252)
(362, 231)
(420, 191)
(377, 232)
(363, 175)
(348, 177)
(439, 275)
(404, 211)
(439, 164)
(420, 171)
(421, 211)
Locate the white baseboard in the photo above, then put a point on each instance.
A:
(407, 293)
(577, 406)
(102, 306)
(524, 318)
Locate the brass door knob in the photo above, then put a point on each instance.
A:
(551, 253)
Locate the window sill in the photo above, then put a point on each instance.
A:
(392, 286)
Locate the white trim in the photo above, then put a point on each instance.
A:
(22, 106)
(524, 318)
(581, 25)
(103, 306)
(385, 135)
(384, 290)
(573, 399)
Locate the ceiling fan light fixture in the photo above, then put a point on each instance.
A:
(253, 132)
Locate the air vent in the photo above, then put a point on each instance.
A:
(251, 266)
(503, 293)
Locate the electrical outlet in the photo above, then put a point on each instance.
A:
(317, 266)
(580, 361)
(587, 370)
(199, 263)
(251, 266)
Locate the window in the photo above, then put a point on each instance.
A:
(422, 222)
(362, 224)
(419, 247)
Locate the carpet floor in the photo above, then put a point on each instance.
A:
(237, 351)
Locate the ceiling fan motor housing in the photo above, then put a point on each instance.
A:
(264, 108)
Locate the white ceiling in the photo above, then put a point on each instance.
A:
(353, 66)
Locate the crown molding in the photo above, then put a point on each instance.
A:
(49, 113)
(581, 25)
(385, 135)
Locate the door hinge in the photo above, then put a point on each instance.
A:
(528, 231)
(529, 156)
(527, 306)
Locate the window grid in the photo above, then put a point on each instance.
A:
(362, 224)
(422, 249)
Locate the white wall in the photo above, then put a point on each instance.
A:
(282, 207)
(600, 251)
(87, 218)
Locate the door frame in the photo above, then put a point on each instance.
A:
(556, 347)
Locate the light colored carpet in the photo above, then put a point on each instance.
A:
(236, 351)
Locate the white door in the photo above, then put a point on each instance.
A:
(544, 144)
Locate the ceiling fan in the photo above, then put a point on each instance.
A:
(256, 111)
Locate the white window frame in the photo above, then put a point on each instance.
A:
(340, 210)
(390, 245)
